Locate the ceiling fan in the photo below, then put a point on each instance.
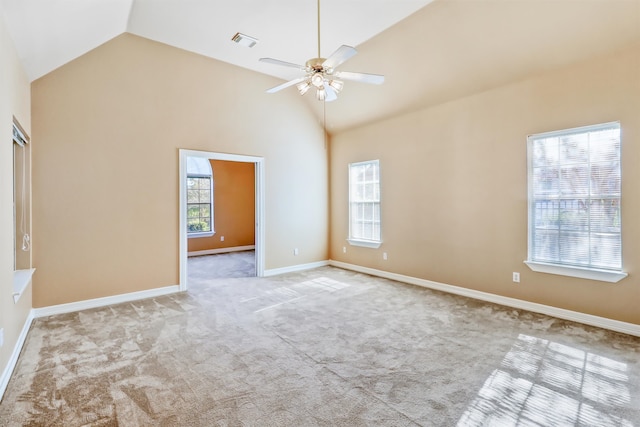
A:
(321, 74)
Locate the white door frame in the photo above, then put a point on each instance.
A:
(259, 202)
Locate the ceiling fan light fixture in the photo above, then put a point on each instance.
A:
(337, 85)
(303, 87)
(321, 94)
(317, 80)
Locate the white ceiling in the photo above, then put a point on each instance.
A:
(50, 33)
(430, 51)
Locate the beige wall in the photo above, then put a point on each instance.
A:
(233, 206)
(105, 197)
(454, 185)
(14, 101)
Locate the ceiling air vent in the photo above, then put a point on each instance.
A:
(244, 40)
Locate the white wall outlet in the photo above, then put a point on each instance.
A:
(384, 256)
(295, 251)
(516, 277)
(1, 337)
(222, 238)
(344, 249)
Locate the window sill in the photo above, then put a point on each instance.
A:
(203, 234)
(582, 273)
(21, 279)
(365, 243)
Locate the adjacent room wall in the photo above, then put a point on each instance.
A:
(14, 101)
(233, 207)
(109, 126)
(454, 185)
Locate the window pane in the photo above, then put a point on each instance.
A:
(574, 182)
(193, 211)
(364, 196)
(545, 152)
(546, 245)
(367, 211)
(605, 145)
(204, 184)
(546, 214)
(193, 196)
(605, 178)
(199, 204)
(574, 149)
(606, 251)
(193, 224)
(574, 248)
(546, 181)
(574, 215)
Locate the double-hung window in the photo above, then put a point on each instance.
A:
(364, 204)
(575, 224)
(199, 197)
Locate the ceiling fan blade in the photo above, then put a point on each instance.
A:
(282, 63)
(343, 53)
(331, 93)
(375, 79)
(286, 84)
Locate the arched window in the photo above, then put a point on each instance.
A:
(199, 197)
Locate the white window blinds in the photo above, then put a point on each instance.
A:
(574, 197)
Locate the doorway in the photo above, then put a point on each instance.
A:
(187, 157)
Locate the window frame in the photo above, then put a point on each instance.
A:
(22, 271)
(612, 275)
(358, 241)
(197, 234)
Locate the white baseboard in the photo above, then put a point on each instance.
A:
(222, 250)
(294, 268)
(587, 319)
(13, 360)
(102, 302)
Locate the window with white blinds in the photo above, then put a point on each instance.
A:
(574, 198)
(364, 203)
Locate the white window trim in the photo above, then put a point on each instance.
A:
(374, 244)
(365, 243)
(579, 272)
(610, 276)
(21, 279)
(199, 234)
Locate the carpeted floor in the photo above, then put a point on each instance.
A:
(325, 347)
(220, 266)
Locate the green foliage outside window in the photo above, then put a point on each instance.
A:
(199, 204)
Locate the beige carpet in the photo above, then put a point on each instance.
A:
(325, 347)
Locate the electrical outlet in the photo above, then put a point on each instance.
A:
(384, 256)
(295, 251)
(222, 238)
(516, 277)
(344, 249)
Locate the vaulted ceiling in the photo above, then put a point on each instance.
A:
(430, 51)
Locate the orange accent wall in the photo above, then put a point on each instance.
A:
(233, 207)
